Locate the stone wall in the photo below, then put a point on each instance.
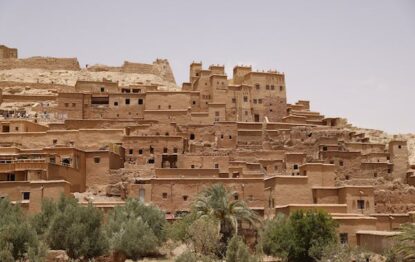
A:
(395, 198)
(48, 63)
(160, 67)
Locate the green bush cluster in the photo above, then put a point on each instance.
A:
(300, 237)
(211, 230)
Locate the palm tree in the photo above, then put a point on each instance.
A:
(218, 203)
(406, 242)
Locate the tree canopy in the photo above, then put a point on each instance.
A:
(300, 237)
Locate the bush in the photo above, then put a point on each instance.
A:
(237, 251)
(50, 209)
(276, 238)
(43, 219)
(301, 237)
(78, 231)
(135, 239)
(17, 237)
(405, 242)
(179, 229)
(205, 237)
(136, 230)
(189, 256)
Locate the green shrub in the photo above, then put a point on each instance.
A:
(17, 236)
(179, 229)
(78, 231)
(205, 237)
(190, 256)
(237, 251)
(136, 230)
(135, 239)
(301, 237)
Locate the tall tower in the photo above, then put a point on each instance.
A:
(398, 150)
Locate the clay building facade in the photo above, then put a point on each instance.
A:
(165, 146)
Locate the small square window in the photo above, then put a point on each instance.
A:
(233, 100)
(66, 104)
(216, 165)
(73, 104)
(130, 151)
(281, 88)
(127, 101)
(185, 198)
(97, 160)
(217, 113)
(102, 89)
(341, 163)
(140, 151)
(26, 195)
(140, 101)
(344, 239)
(115, 103)
(245, 99)
(164, 195)
(259, 101)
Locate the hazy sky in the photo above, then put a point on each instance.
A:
(354, 59)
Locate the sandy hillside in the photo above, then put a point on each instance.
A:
(66, 77)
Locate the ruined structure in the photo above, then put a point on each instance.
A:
(109, 140)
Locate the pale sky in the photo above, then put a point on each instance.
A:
(354, 59)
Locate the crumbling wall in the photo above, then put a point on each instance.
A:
(160, 67)
(395, 197)
(49, 63)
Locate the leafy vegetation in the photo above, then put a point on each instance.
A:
(78, 230)
(403, 248)
(136, 230)
(219, 204)
(211, 231)
(301, 237)
(237, 251)
(205, 237)
(18, 239)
